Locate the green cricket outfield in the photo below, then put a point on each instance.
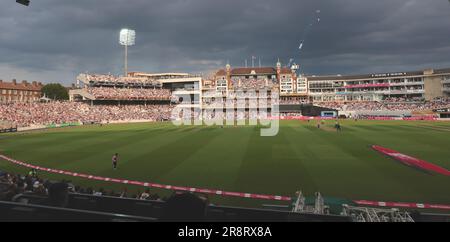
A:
(300, 157)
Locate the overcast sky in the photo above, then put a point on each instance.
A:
(54, 40)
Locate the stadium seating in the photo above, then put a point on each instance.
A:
(35, 114)
(29, 114)
(387, 105)
(46, 200)
(430, 217)
(83, 207)
(220, 214)
(155, 209)
(105, 93)
(11, 212)
(116, 205)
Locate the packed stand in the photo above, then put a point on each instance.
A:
(12, 185)
(403, 100)
(387, 106)
(130, 93)
(251, 83)
(28, 114)
(111, 79)
(294, 101)
(228, 115)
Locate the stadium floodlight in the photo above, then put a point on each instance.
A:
(127, 37)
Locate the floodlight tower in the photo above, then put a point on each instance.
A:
(295, 68)
(127, 37)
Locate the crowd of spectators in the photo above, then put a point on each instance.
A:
(12, 185)
(239, 94)
(31, 189)
(107, 93)
(387, 105)
(251, 83)
(107, 78)
(403, 99)
(239, 103)
(248, 94)
(294, 100)
(210, 114)
(28, 114)
(290, 115)
(232, 115)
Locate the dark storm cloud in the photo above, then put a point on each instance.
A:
(54, 40)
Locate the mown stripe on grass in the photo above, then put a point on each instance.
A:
(173, 152)
(217, 164)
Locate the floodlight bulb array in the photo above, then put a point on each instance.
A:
(127, 37)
